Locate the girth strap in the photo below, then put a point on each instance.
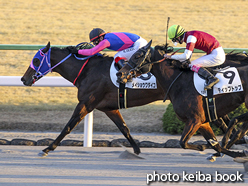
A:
(211, 108)
(122, 91)
(75, 80)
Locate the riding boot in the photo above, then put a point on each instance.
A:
(211, 80)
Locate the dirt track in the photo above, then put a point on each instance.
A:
(111, 166)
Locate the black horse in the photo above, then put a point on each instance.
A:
(188, 104)
(95, 89)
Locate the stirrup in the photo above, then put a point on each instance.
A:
(209, 86)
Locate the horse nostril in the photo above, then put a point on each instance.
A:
(22, 79)
(119, 74)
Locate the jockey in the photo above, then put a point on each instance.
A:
(203, 41)
(125, 43)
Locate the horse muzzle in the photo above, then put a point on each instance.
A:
(121, 77)
(27, 82)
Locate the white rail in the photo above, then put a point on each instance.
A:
(53, 81)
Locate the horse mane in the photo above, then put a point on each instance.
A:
(237, 57)
(164, 48)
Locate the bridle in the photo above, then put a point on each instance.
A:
(45, 64)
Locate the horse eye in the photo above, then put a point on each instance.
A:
(36, 62)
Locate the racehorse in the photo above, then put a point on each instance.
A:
(95, 89)
(188, 104)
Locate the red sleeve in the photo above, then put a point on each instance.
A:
(98, 48)
(190, 46)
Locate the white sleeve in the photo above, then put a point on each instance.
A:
(182, 57)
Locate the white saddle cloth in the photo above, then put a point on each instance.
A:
(229, 82)
(145, 81)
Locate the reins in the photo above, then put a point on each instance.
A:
(171, 85)
(75, 80)
(159, 61)
(39, 73)
(46, 58)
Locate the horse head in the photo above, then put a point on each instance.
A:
(135, 64)
(39, 66)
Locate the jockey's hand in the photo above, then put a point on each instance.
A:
(167, 56)
(185, 65)
(74, 51)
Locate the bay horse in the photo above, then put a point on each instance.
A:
(95, 89)
(188, 104)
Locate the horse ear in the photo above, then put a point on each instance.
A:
(46, 48)
(148, 45)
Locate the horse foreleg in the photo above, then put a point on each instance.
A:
(188, 131)
(209, 136)
(79, 113)
(116, 117)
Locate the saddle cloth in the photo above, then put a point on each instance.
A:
(145, 81)
(229, 82)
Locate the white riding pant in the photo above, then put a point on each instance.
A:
(215, 58)
(127, 53)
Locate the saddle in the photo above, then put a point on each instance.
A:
(209, 97)
(145, 69)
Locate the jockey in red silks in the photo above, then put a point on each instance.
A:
(203, 41)
(125, 43)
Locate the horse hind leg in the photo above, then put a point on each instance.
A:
(116, 117)
(209, 136)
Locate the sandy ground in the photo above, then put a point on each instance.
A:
(105, 166)
(147, 118)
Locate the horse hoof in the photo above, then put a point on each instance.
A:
(43, 154)
(245, 152)
(246, 139)
(211, 158)
(137, 152)
(222, 155)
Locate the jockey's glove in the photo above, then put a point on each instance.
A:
(74, 51)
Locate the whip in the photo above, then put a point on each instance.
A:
(166, 44)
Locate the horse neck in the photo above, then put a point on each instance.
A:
(164, 74)
(162, 71)
(69, 68)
